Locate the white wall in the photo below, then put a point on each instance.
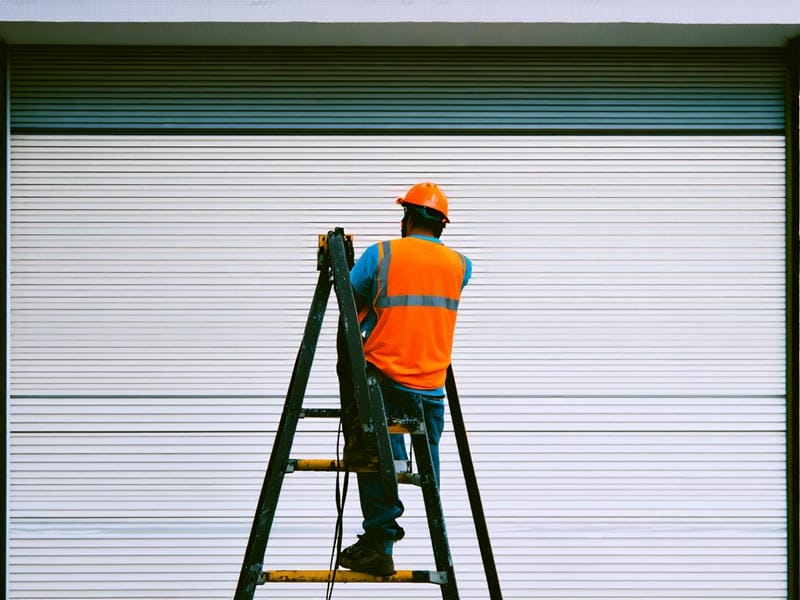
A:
(392, 11)
(402, 22)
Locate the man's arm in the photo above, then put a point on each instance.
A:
(362, 303)
(362, 275)
(362, 279)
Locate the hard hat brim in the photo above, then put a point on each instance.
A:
(421, 209)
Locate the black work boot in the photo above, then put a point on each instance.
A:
(367, 555)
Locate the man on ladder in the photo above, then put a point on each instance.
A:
(407, 292)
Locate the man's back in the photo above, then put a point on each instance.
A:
(417, 291)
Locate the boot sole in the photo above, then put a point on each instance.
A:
(373, 572)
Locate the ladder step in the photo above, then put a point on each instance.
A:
(345, 576)
(398, 428)
(320, 413)
(331, 464)
(401, 467)
(327, 464)
(402, 426)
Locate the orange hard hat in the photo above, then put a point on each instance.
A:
(427, 195)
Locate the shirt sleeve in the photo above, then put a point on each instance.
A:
(467, 272)
(363, 277)
(364, 273)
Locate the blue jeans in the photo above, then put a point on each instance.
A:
(379, 513)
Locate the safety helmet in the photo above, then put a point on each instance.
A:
(428, 197)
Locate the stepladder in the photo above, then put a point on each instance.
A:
(362, 410)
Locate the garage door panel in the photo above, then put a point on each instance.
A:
(620, 354)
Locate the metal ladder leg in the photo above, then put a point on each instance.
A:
(367, 391)
(253, 562)
(433, 508)
(471, 481)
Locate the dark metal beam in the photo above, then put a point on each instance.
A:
(5, 168)
(253, 562)
(471, 481)
(792, 317)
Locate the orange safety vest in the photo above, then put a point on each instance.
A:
(418, 289)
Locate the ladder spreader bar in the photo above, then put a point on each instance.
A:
(331, 464)
(320, 413)
(335, 413)
(321, 576)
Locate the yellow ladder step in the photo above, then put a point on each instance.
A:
(345, 576)
(398, 428)
(331, 464)
(401, 467)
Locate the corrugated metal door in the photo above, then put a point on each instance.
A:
(620, 355)
(620, 350)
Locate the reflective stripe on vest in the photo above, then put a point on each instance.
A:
(416, 300)
(383, 300)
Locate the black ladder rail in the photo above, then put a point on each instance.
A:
(471, 481)
(369, 399)
(333, 262)
(433, 507)
(253, 562)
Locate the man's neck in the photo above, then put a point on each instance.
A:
(421, 231)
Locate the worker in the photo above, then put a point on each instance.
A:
(407, 292)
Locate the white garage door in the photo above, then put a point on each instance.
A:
(620, 356)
